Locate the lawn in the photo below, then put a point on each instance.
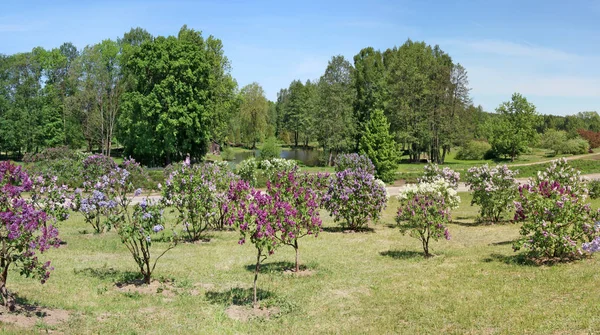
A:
(363, 283)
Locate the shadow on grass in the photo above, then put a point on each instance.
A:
(104, 273)
(237, 296)
(526, 260)
(402, 254)
(503, 242)
(275, 267)
(478, 223)
(346, 230)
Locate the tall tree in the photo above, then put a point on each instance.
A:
(514, 129)
(182, 89)
(379, 146)
(368, 80)
(254, 110)
(336, 127)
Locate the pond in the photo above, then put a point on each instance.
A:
(309, 157)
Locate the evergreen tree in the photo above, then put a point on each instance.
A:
(379, 146)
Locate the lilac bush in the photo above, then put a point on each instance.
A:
(24, 231)
(354, 162)
(54, 200)
(198, 193)
(557, 221)
(494, 190)
(354, 198)
(255, 214)
(433, 172)
(136, 233)
(424, 211)
(300, 205)
(95, 166)
(272, 167)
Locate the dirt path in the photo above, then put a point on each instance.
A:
(570, 158)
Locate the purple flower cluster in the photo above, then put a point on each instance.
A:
(355, 198)
(354, 162)
(557, 223)
(592, 247)
(25, 229)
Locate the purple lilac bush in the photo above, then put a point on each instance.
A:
(354, 162)
(24, 231)
(354, 198)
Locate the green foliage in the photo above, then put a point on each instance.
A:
(556, 218)
(379, 146)
(182, 89)
(473, 150)
(514, 130)
(254, 108)
(494, 190)
(593, 187)
(270, 149)
(247, 170)
(227, 154)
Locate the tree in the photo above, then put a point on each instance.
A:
(254, 110)
(379, 146)
(336, 127)
(511, 133)
(368, 81)
(182, 92)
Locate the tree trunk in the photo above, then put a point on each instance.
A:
(7, 300)
(257, 269)
(297, 256)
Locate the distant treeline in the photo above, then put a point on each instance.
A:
(162, 98)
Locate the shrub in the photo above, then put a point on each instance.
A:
(95, 166)
(246, 169)
(50, 154)
(354, 162)
(354, 198)
(24, 231)
(67, 170)
(433, 173)
(592, 137)
(301, 214)
(255, 214)
(50, 198)
(593, 187)
(270, 149)
(272, 167)
(197, 193)
(135, 230)
(227, 154)
(557, 221)
(494, 190)
(424, 211)
(474, 150)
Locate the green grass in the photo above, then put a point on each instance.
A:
(364, 283)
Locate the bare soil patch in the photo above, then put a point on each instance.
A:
(165, 289)
(245, 313)
(26, 316)
(301, 273)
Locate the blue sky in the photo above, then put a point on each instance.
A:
(547, 50)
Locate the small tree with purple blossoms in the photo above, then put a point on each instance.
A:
(354, 198)
(97, 202)
(52, 199)
(23, 231)
(136, 234)
(494, 190)
(353, 162)
(95, 166)
(557, 222)
(424, 211)
(255, 214)
(433, 172)
(300, 205)
(135, 228)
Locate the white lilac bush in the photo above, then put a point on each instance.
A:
(494, 189)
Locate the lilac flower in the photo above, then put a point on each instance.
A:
(158, 228)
